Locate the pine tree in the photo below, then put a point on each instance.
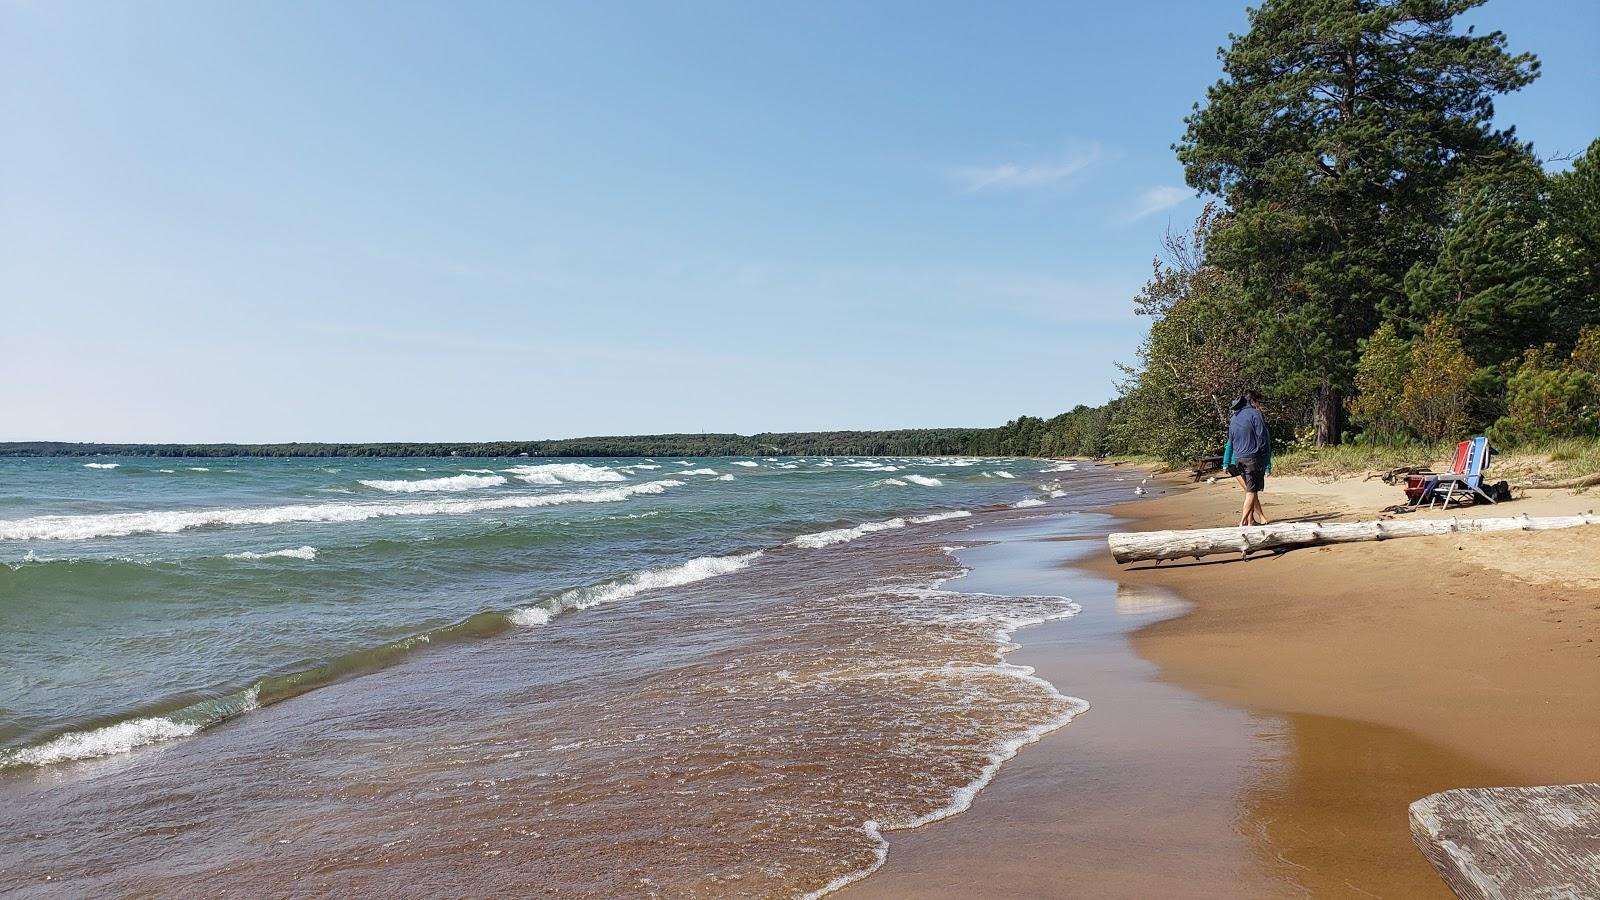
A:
(1333, 136)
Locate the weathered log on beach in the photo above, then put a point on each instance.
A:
(1505, 843)
(1159, 545)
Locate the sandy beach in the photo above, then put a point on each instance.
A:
(1263, 735)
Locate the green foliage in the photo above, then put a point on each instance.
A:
(1497, 273)
(1084, 431)
(1380, 381)
(1549, 398)
(1575, 206)
(1436, 393)
(1333, 136)
(1194, 360)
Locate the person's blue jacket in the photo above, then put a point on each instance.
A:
(1248, 434)
(1227, 456)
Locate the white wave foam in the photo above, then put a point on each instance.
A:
(940, 517)
(924, 480)
(697, 472)
(786, 466)
(168, 471)
(725, 478)
(530, 615)
(119, 738)
(1062, 467)
(77, 528)
(747, 463)
(1056, 495)
(642, 466)
(199, 469)
(293, 553)
(1024, 504)
(843, 535)
(889, 481)
(451, 483)
(880, 853)
(553, 473)
(1000, 473)
(123, 737)
(101, 465)
(694, 570)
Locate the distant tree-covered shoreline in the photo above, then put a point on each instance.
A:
(907, 442)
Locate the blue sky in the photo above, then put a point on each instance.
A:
(262, 221)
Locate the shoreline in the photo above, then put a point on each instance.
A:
(1333, 687)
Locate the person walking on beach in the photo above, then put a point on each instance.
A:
(1248, 455)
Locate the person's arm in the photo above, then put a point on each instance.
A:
(1227, 454)
(1269, 454)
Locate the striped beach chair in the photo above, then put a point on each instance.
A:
(1465, 478)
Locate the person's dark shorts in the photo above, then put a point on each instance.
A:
(1254, 471)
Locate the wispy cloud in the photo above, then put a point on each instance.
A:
(1026, 176)
(1155, 200)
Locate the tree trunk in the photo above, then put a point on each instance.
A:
(1327, 416)
(1158, 545)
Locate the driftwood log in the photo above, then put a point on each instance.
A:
(1134, 546)
(1510, 843)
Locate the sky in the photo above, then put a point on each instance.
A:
(274, 221)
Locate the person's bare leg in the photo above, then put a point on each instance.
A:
(1249, 504)
(1259, 516)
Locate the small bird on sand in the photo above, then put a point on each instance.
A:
(1139, 490)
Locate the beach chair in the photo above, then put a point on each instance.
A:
(1465, 478)
(1421, 481)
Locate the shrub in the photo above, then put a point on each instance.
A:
(1437, 390)
(1547, 399)
(1380, 382)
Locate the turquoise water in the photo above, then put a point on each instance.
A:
(142, 600)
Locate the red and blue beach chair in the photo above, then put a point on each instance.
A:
(1465, 479)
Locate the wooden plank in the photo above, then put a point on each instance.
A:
(1513, 843)
(1133, 546)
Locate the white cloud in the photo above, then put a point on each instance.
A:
(1154, 200)
(1026, 176)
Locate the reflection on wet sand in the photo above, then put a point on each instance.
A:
(1147, 600)
(1332, 819)
(1142, 796)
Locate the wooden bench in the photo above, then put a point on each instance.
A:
(1513, 843)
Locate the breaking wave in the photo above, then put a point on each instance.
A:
(843, 535)
(292, 553)
(101, 465)
(556, 473)
(84, 527)
(651, 579)
(452, 483)
(923, 480)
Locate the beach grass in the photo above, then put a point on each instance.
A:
(1548, 462)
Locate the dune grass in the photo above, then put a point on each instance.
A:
(1548, 462)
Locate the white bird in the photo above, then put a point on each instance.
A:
(1139, 490)
(1211, 480)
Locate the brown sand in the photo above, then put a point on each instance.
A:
(1268, 743)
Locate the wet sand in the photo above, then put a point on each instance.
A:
(1268, 741)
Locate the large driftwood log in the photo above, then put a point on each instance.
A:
(1158, 545)
(1512, 843)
